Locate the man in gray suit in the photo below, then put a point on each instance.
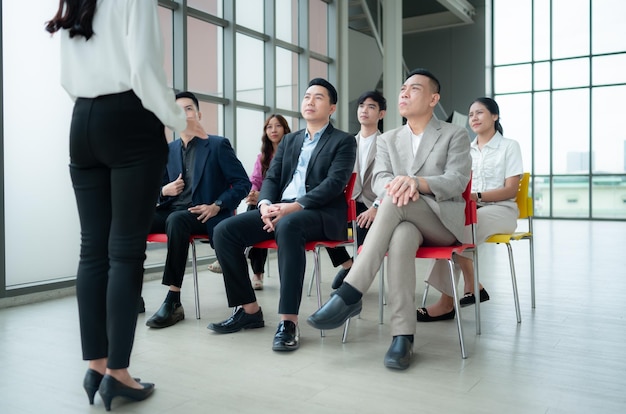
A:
(371, 110)
(424, 167)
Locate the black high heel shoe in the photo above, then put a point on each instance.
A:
(91, 383)
(111, 388)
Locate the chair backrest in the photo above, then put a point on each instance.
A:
(470, 205)
(524, 202)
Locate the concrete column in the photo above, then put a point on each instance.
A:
(393, 75)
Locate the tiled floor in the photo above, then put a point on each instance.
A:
(567, 356)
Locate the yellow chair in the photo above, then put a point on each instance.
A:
(525, 205)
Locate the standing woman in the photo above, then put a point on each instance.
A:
(275, 128)
(111, 66)
(496, 172)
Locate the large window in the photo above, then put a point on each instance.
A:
(561, 90)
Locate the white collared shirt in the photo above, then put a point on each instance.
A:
(125, 53)
(365, 146)
(498, 160)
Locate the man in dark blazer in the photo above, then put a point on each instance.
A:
(203, 184)
(301, 199)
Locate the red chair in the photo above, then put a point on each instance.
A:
(315, 245)
(446, 253)
(162, 238)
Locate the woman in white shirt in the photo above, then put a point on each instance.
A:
(496, 171)
(111, 66)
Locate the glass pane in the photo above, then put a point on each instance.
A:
(212, 118)
(570, 73)
(213, 7)
(516, 78)
(167, 31)
(512, 31)
(608, 16)
(318, 26)
(318, 69)
(608, 197)
(541, 126)
(608, 140)
(541, 25)
(541, 198)
(570, 129)
(570, 28)
(250, 73)
(250, 13)
(249, 132)
(204, 58)
(286, 80)
(609, 69)
(287, 20)
(542, 75)
(515, 118)
(570, 197)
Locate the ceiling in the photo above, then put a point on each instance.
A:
(417, 15)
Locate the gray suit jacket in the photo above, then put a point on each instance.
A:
(442, 159)
(363, 187)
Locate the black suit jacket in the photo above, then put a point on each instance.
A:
(328, 172)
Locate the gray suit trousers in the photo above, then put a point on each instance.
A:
(398, 231)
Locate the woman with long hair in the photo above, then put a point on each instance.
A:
(496, 172)
(111, 66)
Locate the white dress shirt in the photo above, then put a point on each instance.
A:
(124, 53)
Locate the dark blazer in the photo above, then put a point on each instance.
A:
(327, 174)
(218, 175)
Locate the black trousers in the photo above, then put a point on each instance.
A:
(340, 255)
(234, 234)
(118, 154)
(257, 256)
(179, 225)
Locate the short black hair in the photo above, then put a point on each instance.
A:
(332, 92)
(376, 97)
(187, 94)
(425, 72)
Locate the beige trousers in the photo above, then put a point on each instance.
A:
(399, 231)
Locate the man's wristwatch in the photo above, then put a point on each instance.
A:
(219, 203)
(375, 204)
(479, 196)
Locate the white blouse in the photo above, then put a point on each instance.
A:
(124, 53)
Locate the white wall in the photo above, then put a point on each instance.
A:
(42, 231)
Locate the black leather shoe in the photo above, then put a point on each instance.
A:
(238, 321)
(141, 305)
(168, 314)
(111, 388)
(469, 298)
(423, 316)
(287, 337)
(398, 355)
(334, 313)
(339, 277)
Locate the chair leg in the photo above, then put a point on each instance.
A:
(312, 278)
(317, 270)
(346, 328)
(381, 292)
(477, 289)
(425, 294)
(459, 325)
(532, 271)
(514, 282)
(196, 288)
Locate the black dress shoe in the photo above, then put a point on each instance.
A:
(111, 388)
(141, 305)
(470, 299)
(398, 355)
(339, 277)
(334, 313)
(168, 314)
(423, 316)
(238, 321)
(287, 337)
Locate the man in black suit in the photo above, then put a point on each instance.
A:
(301, 200)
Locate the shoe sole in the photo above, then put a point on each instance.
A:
(397, 365)
(285, 348)
(227, 331)
(157, 326)
(463, 305)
